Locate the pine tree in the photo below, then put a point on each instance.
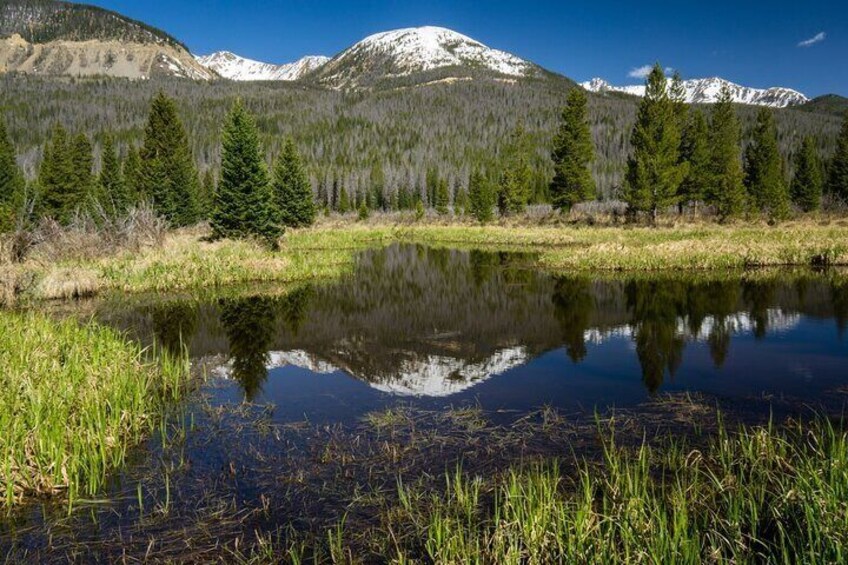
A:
(432, 184)
(131, 174)
(764, 180)
(442, 198)
(206, 196)
(481, 197)
(344, 202)
(460, 200)
(363, 212)
(516, 182)
(837, 179)
(82, 172)
(573, 154)
(292, 189)
(677, 95)
(376, 196)
(654, 171)
(807, 185)
(167, 173)
(113, 191)
(55, 178)
(12, 182)
(695, 150)
(727, 190)
(244, 201)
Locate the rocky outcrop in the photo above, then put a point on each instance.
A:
(99, 58)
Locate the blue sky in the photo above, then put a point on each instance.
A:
(748, 41)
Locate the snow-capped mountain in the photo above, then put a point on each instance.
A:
(234, 67)
(405, 52)
(707, 90)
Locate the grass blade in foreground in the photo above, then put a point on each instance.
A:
(761, 495)
(73, 400)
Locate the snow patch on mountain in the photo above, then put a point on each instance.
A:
(234, 67)
(707, 91)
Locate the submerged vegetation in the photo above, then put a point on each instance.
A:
(769, 494)
(73, 400)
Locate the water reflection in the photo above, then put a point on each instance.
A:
(427, 322)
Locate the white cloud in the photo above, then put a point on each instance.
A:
(817, 38)
(643, 71)
(640, 72)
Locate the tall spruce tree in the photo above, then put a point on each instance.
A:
(573, 154)
(654, 170)
(806, 189)
(481, 197)
(244, 204)
(206, 196)
(376, 194)
(837, 178)
(12, 183)
(292, 189)
(727, 189)
(344, 205)
(460, 199)
(695, 150)
(764, 180)
(82, 172)
(132, 176)
(113, 190)
(516, 181)
(167, 175)
(442, 198)
(55, 178)
(677, 95)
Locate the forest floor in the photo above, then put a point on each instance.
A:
(186, 259)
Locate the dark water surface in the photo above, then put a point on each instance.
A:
(433, 330)
(438, 327)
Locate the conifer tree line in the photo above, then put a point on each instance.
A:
(347, 138)
(162, 173)
(679, 157)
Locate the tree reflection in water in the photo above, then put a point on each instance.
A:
(406, 308)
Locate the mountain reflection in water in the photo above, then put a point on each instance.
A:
(422, 322)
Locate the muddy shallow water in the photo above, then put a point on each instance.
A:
(318, 397)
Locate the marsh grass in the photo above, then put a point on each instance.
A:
(763, 494)
(73, 400)
(185, 259)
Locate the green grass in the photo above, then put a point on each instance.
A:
(73, 400)
(766, 494)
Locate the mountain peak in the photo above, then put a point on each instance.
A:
(401, 53)
(235, 67)
(707, 91)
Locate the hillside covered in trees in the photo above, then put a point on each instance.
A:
(395, 139)
(41, 21)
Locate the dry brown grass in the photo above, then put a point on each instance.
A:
(65, 283)
(89, 238)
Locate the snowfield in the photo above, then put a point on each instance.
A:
(707, 91)
(234, 67)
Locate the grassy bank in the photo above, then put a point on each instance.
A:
(688, 247)
(769, 494)
(185, 260)
(73, 400)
